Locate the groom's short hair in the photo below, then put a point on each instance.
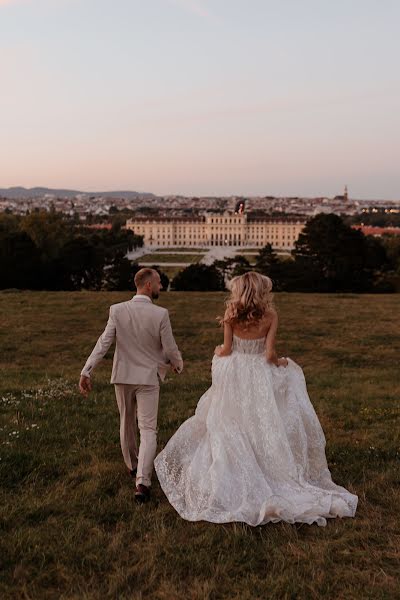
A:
(143, 275)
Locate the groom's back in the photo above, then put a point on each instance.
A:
(138, 352)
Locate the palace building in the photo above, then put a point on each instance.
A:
(228, 229)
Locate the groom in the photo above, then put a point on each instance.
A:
(145, 348)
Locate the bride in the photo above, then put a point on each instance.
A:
(254, 451)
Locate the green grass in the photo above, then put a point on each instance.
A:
(161, 258)
(69, 525)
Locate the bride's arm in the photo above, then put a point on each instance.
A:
(226, 348)
(270, 351)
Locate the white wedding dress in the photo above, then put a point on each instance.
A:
(254, 451)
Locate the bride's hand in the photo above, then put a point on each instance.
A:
(222, 351)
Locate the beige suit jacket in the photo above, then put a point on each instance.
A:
(145, 347)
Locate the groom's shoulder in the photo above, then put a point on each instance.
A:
(117, 306)
(159, 310)
(154, 308)
(156, 312)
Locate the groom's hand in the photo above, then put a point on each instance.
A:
(85, 385)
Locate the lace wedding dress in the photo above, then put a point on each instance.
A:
(254, 451)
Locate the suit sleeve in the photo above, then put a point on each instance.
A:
(168, 343)
(101, 347)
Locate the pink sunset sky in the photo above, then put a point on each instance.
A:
(201, 97)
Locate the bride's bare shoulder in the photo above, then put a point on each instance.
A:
(254, 329)
(270, 316)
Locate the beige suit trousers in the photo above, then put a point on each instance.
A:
(138, 403)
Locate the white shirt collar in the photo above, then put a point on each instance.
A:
(141, 297)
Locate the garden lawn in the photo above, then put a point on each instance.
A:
(69, 524)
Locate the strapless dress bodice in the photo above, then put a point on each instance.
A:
(255, 346)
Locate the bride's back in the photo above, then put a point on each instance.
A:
(254, 329)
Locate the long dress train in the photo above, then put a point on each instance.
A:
(254, 451)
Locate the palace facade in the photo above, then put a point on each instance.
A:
(228, 229)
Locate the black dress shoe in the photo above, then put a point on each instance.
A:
(142, 493)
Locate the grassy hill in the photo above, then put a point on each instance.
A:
(69, 525)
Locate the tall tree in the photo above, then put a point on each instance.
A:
(48, 230)
(334, 257)
(392, 247)
(268, 263)
(80, 265)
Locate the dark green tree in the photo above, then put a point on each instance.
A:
(48, 230)
(375, 217)
(239, 265)
(230, 267)
(266, 260)
(199, 278)
(117, 222)
(20, 261)
(9, 223)
(331, 256)
(268, 263)
(391, 243)
(80, 265)
(119, 274)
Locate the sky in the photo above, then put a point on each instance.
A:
(201, 97)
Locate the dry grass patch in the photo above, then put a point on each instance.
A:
(69, 526)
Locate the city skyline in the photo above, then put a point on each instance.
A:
(193, 97)
(22, 191)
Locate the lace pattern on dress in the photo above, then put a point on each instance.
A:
(254, 451)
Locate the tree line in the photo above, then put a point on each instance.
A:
(329, 256)
(375, 217)
(49, 251)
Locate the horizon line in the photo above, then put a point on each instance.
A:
(241, 195)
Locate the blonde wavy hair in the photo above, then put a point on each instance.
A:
(250, 299)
